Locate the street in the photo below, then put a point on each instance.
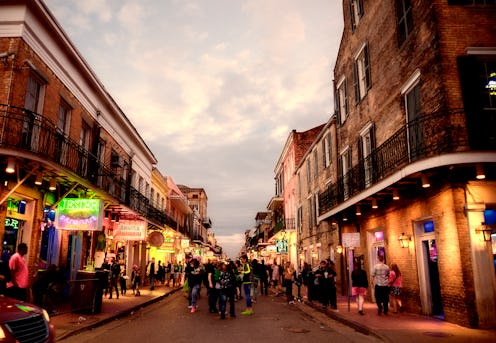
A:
(171, 320)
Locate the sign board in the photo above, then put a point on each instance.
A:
(130, 230)
(79, 214)
(282, 246)
(351, 239)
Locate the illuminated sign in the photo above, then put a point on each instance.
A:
(491, 84)
(12, 223)
(282, 245)
(130, 230)
(79, 214)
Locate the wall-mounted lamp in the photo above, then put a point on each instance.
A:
(53, 184)
(486, 230)
(39, 179)
(404, 240)
(11, 164)
(396, 195)
(339, 249)
(358, 211)
(345, 218)
(479, 172)
(425, 182)
(374, 204)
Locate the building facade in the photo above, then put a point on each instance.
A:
(416, 175)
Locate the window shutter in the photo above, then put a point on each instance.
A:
(352, 16)
(367, 66)
(355, 82)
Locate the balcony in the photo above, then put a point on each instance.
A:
(32, 135)
(431, 135)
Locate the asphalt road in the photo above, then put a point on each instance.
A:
(171, 321)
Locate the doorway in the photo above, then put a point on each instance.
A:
(427, 258)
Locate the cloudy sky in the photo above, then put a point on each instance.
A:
(213, 86)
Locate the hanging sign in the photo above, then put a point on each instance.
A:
(130, 230)
(282, 246)
(79, 214)
(351, 239)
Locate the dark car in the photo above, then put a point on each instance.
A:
(24, 323)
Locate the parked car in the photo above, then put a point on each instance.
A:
(24, 323)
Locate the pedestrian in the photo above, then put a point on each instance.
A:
(195, 277)
(115, 272)
(105, 276)
(264, 278)
(288, 277)
(395, 285)
(123, 280)
(212, 285)
(247, 277)
(255, 268)
(380, 279)
(359, 285)
(226, 291)
(18, 285)
(275, 277)
(4, 274)
(239, 280)
(136, 280)
(160, 275)
(326, 283)
(150, 272)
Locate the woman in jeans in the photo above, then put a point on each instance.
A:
(194, 282)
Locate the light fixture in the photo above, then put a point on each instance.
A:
(339, 249)
(480, 174)
(404, 240)
(345, 218)
(39, 179)
(374, 203)
(486, 231)
(11, 164)
(53, 184)
(358, 212)
(396, 196)
(425, 182)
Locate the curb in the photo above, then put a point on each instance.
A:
(348, 322)
(121, 314)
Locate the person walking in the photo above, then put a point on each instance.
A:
(247, 276)
(213, 286)
(264, 278)
(226, 290)
(395, 285)
(150, 272)
(18, 285)
(287, 279)
(115, 271)
(136, 280)
(359, 285)
(380, 279)
(326, 284)
(195, 277)
(276, 275)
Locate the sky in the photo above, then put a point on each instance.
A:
(214, 87)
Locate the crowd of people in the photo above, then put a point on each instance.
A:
(226, 282)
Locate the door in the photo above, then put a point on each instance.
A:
(428, 273)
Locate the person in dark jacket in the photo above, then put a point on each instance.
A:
(195, 278)
(359, 285)
(115, 272)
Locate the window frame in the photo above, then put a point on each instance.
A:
(361, 73)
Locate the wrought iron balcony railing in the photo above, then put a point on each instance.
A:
(430, 135)
(31, 132)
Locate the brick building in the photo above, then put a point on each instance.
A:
(415, 168)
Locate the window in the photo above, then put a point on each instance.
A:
(361, 71)
(309, 173)
(405, 19)
(33, 102)
(413, 108)
(366, 144)
(326, 150)
(299, 184)
(356, 12)
(310, 212)
(316, 164)
(299, 219)
(34, 93)
(344, 167)
(316, 208)
(84, 135)
(152, 197)
(342, 100)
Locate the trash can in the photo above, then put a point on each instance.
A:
(84, 292)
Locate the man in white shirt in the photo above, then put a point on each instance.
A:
(380, 278)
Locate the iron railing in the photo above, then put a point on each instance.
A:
(430, 135)
(24, 130)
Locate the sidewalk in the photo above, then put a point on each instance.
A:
(404, 327)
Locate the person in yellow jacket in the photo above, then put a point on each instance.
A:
(247, 277)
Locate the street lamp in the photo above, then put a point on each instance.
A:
(404, 240)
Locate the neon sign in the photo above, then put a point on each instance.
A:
(491, 84)
(80, 214)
